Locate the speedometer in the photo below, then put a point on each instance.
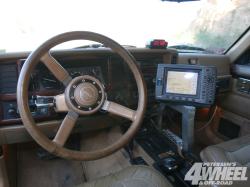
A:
(48, 81)
(75, 74)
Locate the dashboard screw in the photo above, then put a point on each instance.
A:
(93, 82)
(79, 106)
(74, 86)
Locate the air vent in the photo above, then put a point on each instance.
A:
(8, 78)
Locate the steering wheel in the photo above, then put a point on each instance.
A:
(83, 95)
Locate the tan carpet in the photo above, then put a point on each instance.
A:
(33, 172)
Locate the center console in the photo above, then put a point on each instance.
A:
(180, 88)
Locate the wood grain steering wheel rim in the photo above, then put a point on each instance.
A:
(42, 53)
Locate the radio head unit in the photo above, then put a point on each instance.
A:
(186, 84)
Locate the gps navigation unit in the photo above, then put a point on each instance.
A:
(186, 84)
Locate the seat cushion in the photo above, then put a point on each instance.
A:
(236, 150)
(133, 176)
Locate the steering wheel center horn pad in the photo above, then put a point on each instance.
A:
(85, 95)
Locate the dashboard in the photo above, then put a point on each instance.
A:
(103, 64)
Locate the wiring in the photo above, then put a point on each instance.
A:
(209, 121)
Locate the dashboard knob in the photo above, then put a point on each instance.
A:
(12, 112)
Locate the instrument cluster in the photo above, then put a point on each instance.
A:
(43, 79)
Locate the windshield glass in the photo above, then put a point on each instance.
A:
(209, 24)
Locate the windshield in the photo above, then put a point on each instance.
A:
(209, 24)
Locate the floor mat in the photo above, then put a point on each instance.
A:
(34, 172)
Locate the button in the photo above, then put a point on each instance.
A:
(210, 80)
(159, 82)
(12, 112)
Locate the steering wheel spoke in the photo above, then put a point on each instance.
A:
(66, 128)
(117, 109)
(60, 103)
(58, 71)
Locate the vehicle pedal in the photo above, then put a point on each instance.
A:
(72, 143)
(42, 154)
(138, 161)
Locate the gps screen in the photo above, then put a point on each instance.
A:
(182, 82)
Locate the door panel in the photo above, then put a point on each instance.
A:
(235, 104)
(236, 101)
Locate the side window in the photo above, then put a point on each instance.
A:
(244, 59)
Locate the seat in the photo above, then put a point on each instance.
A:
(133, 176)
(236, 150)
